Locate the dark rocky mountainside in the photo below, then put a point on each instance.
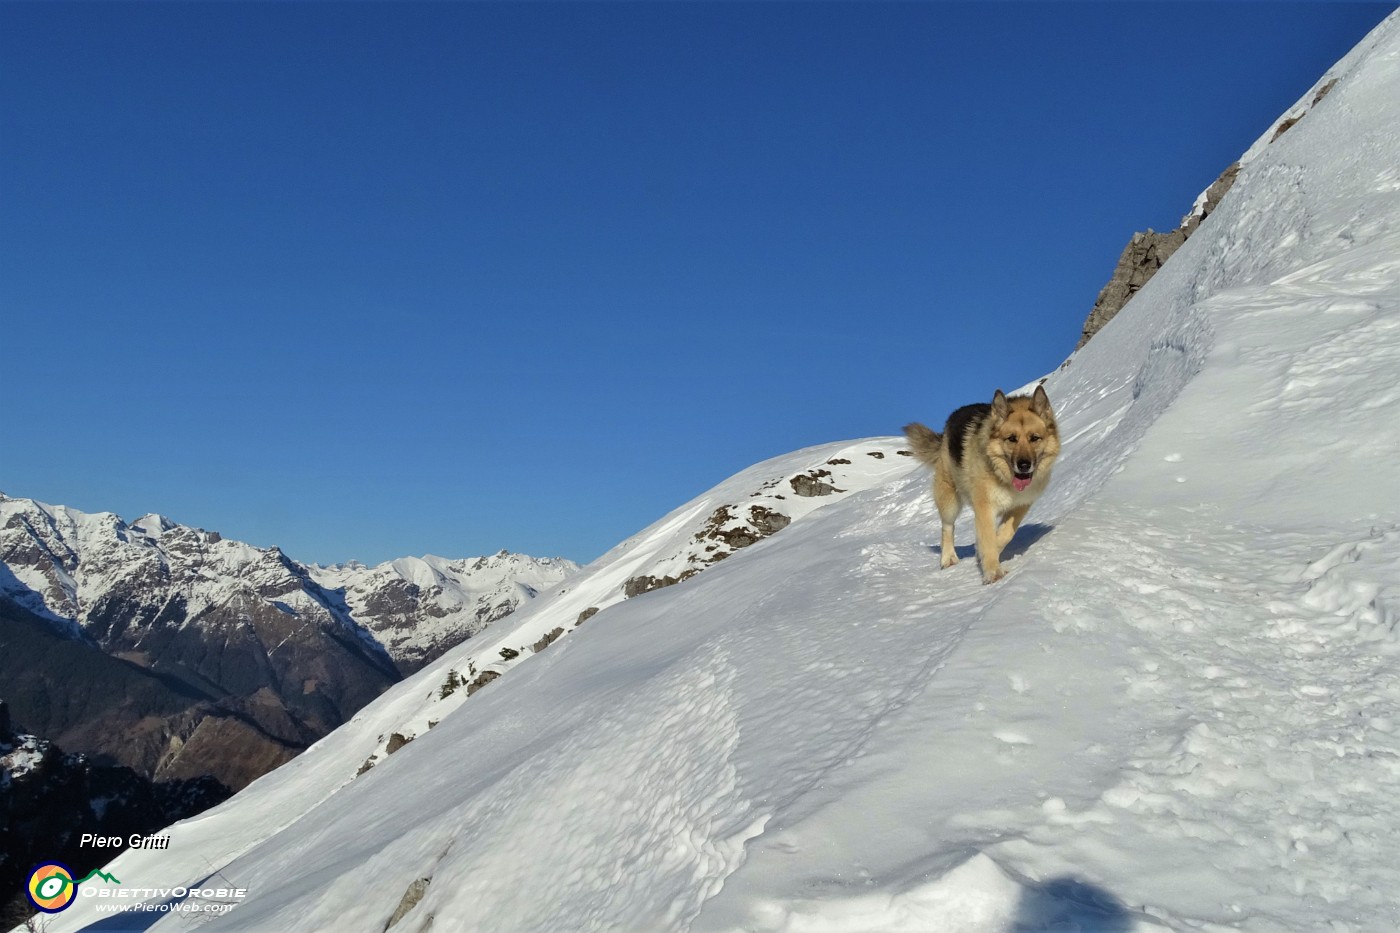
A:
(163, 725)
(49, 798)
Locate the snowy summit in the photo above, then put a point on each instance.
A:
(1179, 711)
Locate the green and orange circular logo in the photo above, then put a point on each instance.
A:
(51, 887)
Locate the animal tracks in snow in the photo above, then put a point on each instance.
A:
(1294, 702)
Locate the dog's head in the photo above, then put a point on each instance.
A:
(1024, 437)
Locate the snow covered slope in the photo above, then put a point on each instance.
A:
(1179, 711)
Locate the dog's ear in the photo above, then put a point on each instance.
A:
(1040, 403)
(999, 405)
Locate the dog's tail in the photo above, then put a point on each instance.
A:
(925, 441)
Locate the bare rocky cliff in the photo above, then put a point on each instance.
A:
(1148, 251)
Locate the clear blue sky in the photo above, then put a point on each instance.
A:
(374, 279)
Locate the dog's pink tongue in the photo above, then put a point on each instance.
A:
(1019, 483)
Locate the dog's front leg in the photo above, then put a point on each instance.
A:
(1009, 524)
(988, 549)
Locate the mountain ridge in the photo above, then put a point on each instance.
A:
(265, 654)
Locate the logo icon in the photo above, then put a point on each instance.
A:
(51, 886)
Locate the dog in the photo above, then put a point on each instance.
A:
(996, 458)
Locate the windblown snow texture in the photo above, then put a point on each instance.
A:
(1179, 711)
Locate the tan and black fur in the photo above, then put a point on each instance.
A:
(996, 458)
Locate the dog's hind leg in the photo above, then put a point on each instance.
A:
(945, 496)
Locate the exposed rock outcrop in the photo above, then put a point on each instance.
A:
(410, 900)
(1147, 252)
(763, 511)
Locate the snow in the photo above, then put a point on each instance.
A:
(18, 760)
(1179, 711)
(152, 525)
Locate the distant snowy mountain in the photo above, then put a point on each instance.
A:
(418, 607)
(226, 659)
(263, 659)
(1178, 711)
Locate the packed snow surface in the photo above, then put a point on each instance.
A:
(1179, 710)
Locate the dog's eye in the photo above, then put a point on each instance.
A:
(1035, 438)
(1010, 438)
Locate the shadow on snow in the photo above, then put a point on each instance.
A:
(1069, 904)
(1026, 536)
